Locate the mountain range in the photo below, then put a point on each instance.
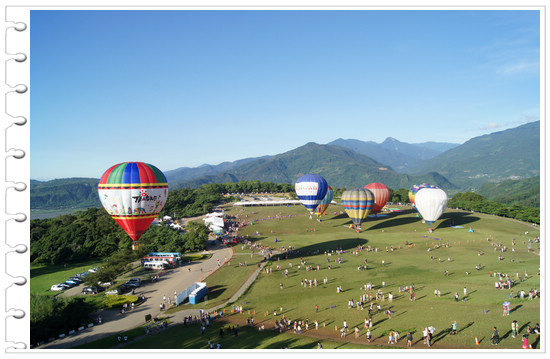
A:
(509, 154)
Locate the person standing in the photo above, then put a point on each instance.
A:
(409, 340)
(495, 337)
(514, 328)
(453, 327)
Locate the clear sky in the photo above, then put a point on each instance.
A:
(184, 88)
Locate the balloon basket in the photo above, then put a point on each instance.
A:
(135, 246)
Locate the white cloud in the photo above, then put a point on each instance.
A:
(491, 126)
(519, 67)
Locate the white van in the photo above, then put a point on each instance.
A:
(155, 265)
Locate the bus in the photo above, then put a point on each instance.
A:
(155, 265)
(165, 254)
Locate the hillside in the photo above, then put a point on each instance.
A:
(396, 154)
(340, 166)
(525, 192)
(64, 193)
(509, 154)
(206, 170)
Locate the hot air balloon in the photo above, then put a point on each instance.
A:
(133, 193)
(311, 189)
(415, 188)
(322, 207)
(381, 195)
(431, 203)
(357, 203)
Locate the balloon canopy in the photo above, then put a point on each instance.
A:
(417, 187)
(357, 203)
(323, 205)
(133, 193)
(311, 189)
(431, 203)
(381, 194)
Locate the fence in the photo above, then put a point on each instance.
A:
(195, 292)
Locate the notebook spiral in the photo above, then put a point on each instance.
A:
(15, 191)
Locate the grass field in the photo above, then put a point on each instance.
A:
(44, 276)
(457, 252)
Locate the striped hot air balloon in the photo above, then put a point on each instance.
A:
(133, 193)
(381, 195)
(322, 207)
(357, 203)
(431, 203)
(311, 189)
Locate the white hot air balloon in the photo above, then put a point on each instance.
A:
(431, 203)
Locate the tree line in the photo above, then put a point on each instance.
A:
(475, 202)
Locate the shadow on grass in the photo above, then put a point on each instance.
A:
(516, 308)
(456, 219)
(399, 221)
(506, 335)
(536, 342)
(345, 244)
(215, 291)
(465, 327)
(524, 326)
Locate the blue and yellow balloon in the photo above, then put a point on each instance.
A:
(358, 203)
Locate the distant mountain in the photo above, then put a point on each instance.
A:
(341, 167)
(190, 173)
(398, 155)
(524, 192)
(64, 193)
(508, 154)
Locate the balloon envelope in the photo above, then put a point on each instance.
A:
(323, 205)
(133, 193)
(417, 187)
(431, 203)
(357, 203)
(311, 189)
(381, 195)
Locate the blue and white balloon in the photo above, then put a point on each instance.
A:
(311, 189)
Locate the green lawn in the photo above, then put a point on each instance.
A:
(404, 266)
(44, 276)
(189, 337)
(457, 252)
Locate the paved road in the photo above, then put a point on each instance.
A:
(174, 280)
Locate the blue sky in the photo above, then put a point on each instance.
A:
(184, 88)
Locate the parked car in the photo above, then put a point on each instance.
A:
(135, 282)
(69, 284)
(113, 292)
(76, 279)
(89, 290)
(92, 290)
(124, 288)
(72, 282)
(57, 287)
